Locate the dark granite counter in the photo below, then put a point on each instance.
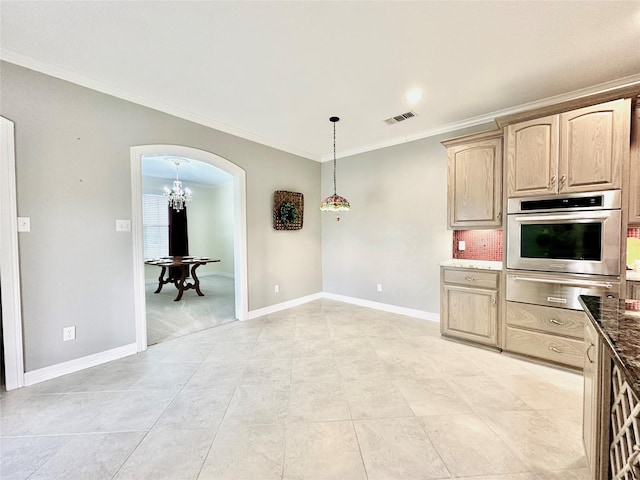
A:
(618, 322)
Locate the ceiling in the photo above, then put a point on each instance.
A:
(274, 72)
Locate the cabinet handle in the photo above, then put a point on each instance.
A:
(556, 349)
(563, 178)
(493, 300)
(499, 216)
(470, 279)
(591, 345)
(553, 180)
(555, 322)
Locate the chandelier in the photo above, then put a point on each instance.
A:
(335, 203)
(177, 196)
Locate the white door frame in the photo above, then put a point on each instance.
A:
(9, 261)
(239, 234)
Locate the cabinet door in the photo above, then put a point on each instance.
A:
(594, 145)
(634, 170)
(532, 157)
(634, 290)
(590, 413)
(474, 189)
(470, 314)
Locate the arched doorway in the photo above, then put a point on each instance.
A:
(240, 242)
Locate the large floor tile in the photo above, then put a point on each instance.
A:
(246, 452)
(258, 405)
(468, 447)
(317, 402)
(322, 451)
(197, 408)
(315, 369)
(21, 456)
(431, 397)
(376, 399)
(541, 443)
(398, 449)
(483, 394)
(176, 454)
(94, 456)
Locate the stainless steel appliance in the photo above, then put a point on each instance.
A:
(575, 233)
(558, 290)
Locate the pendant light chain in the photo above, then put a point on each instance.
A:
(335, 190)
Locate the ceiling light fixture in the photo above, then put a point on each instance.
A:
(414, 95)
(335, 203)
(176, 196)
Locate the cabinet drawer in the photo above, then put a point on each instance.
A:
(558, 321)
(565, 351)
(470, 277)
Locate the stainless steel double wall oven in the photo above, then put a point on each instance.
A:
(562, 246)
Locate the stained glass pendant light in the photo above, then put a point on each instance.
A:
(335, 203)
(177, 196)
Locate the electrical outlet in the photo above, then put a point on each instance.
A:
(24, 224)
(379, 287)
(123, 225)
(68, 333)
(276, 288)
(462, 245)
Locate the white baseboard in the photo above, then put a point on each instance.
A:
(278, 307)
(421, 314)
(385, 307)
(64, 368)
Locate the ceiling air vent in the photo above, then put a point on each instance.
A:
(400, 118)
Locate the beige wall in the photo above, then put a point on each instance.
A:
(74, 180)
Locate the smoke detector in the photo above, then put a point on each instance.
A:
(400, 118)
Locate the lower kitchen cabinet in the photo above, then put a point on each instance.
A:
(592, 426)
(546, 333)
(469, 305)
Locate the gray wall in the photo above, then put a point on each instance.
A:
(73, 180)
(396, 231)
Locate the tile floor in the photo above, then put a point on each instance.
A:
(321, 391)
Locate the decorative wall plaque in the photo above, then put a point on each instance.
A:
(288, 210)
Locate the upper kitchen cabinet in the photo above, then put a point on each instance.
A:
(634, 180)
(475, 181)
(577, 151)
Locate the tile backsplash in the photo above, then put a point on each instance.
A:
(479, 245)
(633, 232)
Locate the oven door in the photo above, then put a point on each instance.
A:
(585, 242)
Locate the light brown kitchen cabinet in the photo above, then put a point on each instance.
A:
(474, 185)
(633, 290)
(592, 401)
(469, 304)
(577, 151)
(634, 177)
(545, 333)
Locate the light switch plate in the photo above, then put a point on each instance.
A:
(462, 245)
(24, 224)
(123, 225)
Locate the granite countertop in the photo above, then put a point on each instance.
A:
(618, 322)
(482, 264)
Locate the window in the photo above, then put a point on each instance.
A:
(155, 225)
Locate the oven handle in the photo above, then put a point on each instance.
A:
(577, 283)
(581, 218)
